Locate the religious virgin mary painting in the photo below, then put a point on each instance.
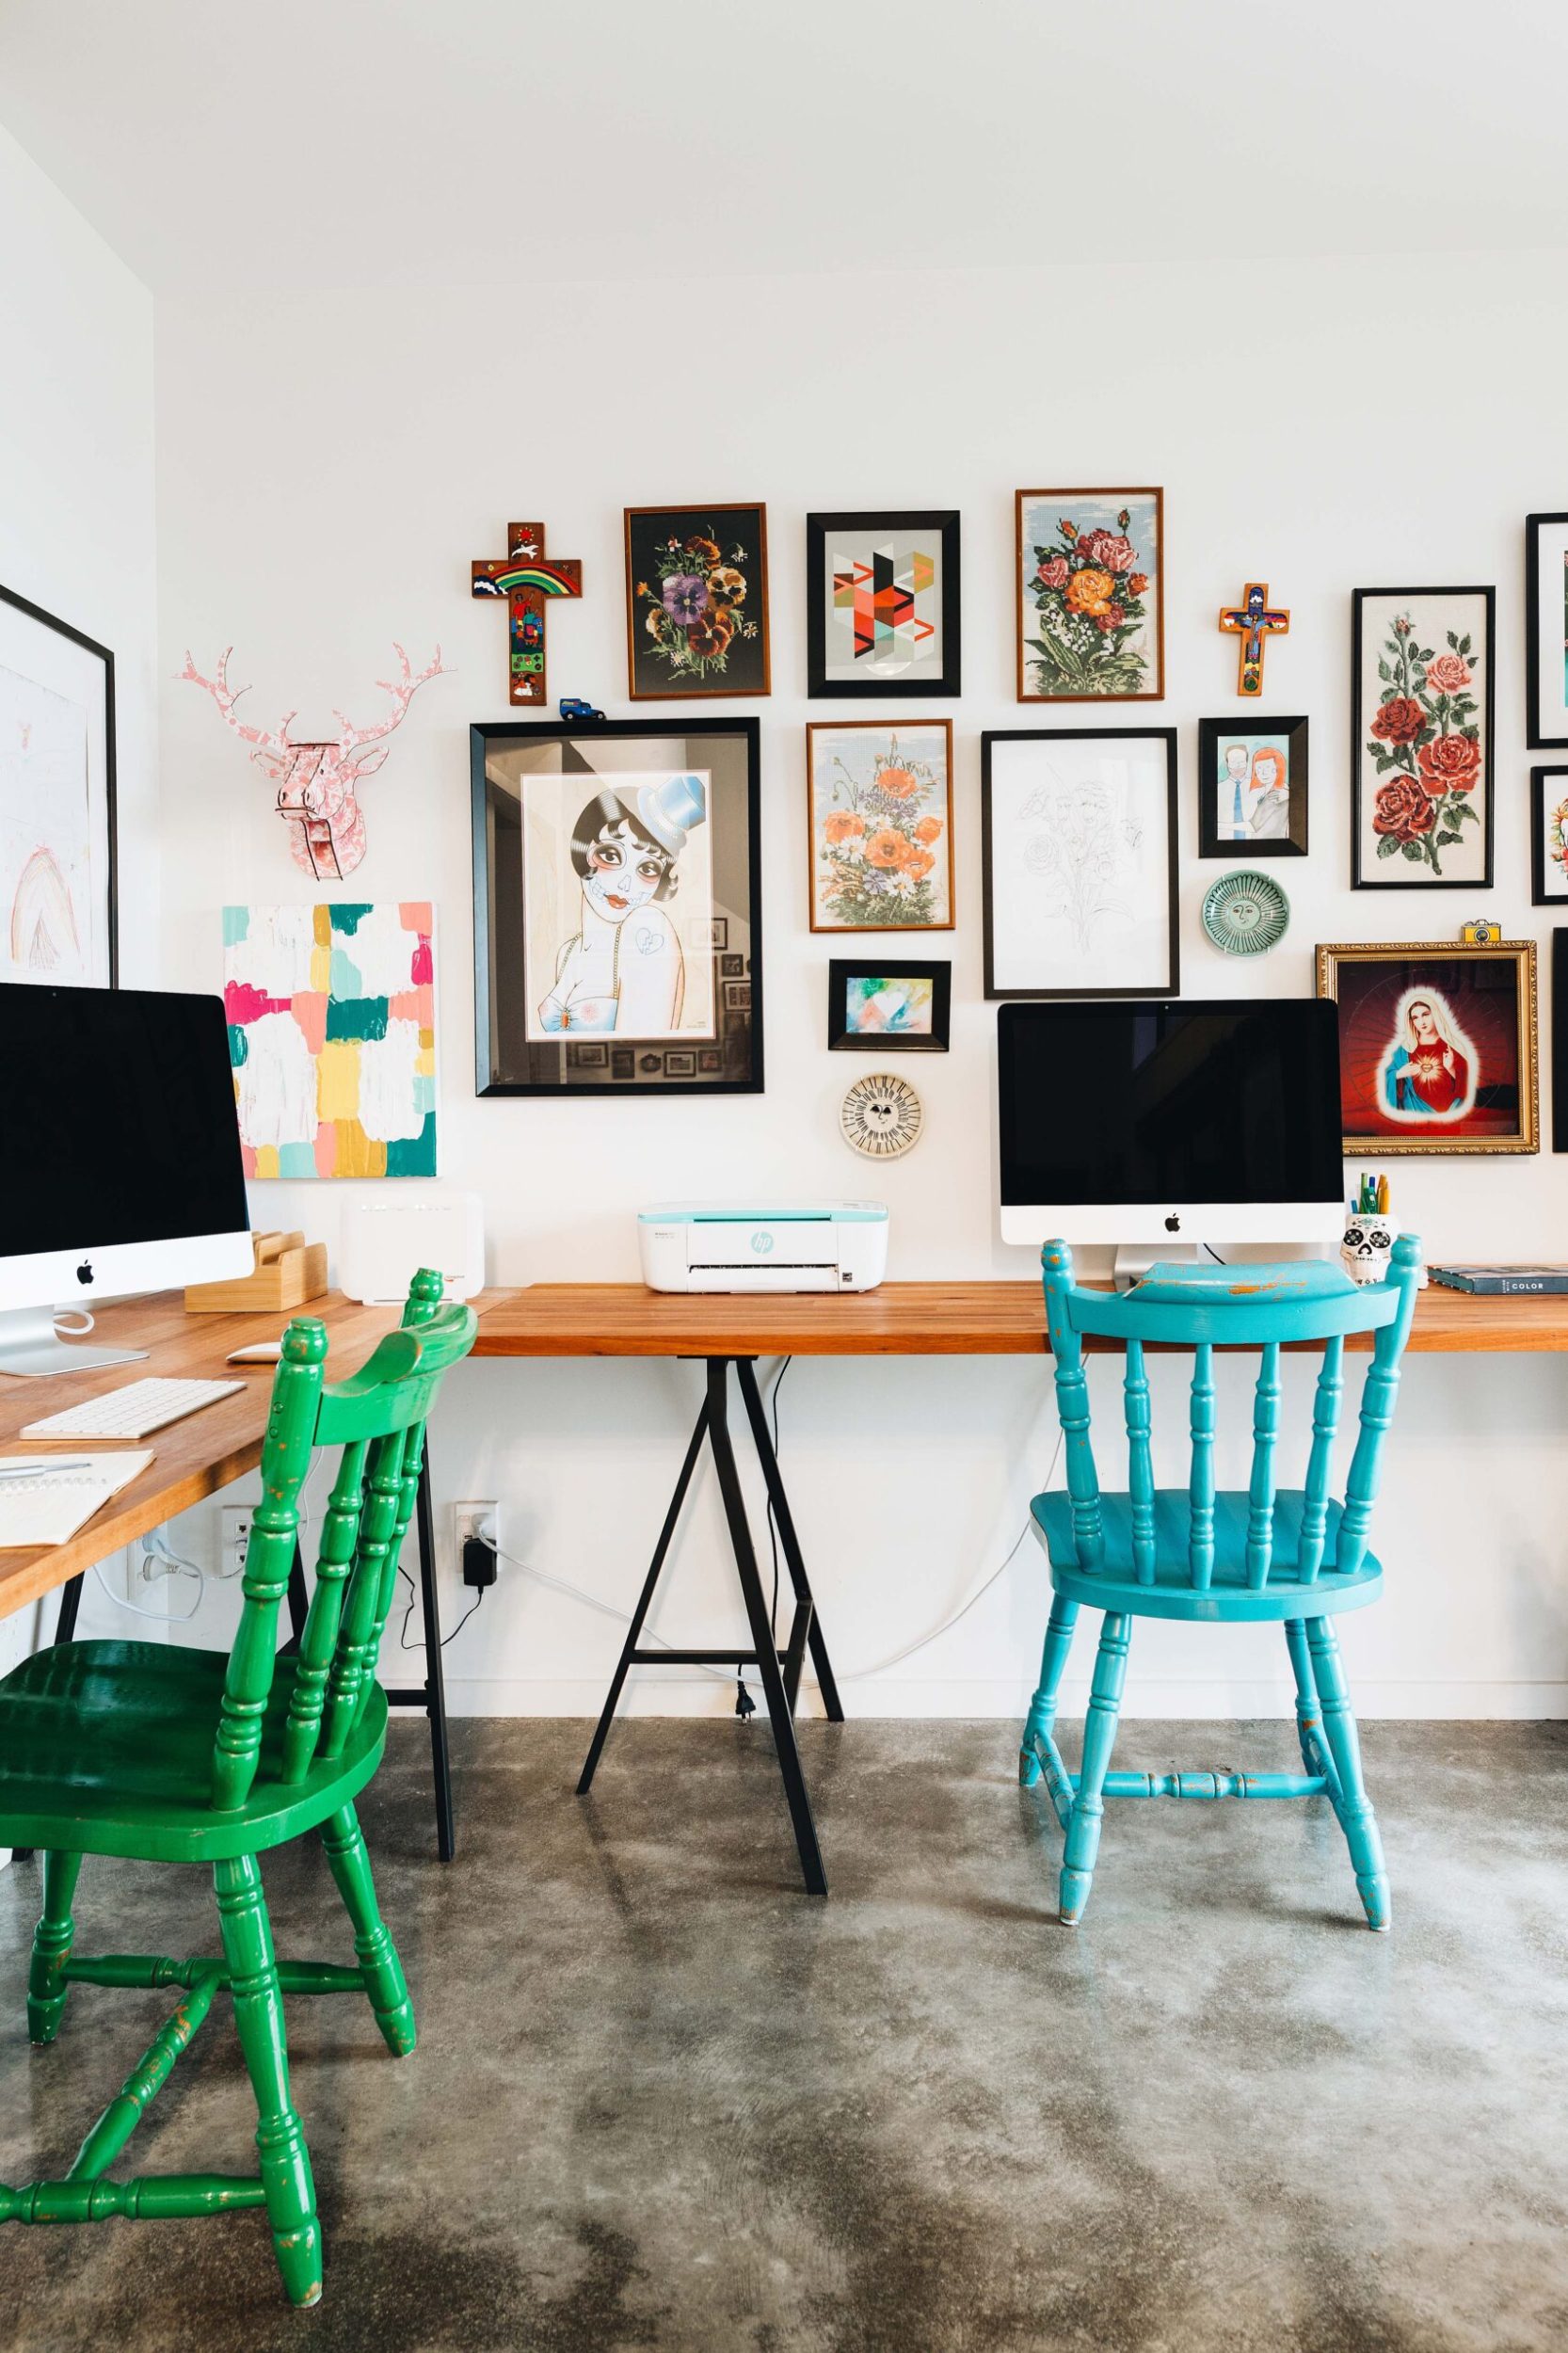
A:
(1437, 1047)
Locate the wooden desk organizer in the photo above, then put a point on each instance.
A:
(288, 1272)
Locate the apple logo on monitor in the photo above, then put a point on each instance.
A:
(83, 1272)
(1172, 1223)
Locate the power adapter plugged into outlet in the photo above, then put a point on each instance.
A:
(478, 1561)
(477, 1534)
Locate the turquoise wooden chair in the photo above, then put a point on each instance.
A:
(166, 1755)
(1292, 1555)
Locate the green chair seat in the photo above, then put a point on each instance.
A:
(108, 1748)
(1227, 1597)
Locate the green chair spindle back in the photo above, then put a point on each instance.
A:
(377, 1417)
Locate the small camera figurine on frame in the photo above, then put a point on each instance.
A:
(1484, 934)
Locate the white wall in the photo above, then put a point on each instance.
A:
(329, 466)
(76, 522)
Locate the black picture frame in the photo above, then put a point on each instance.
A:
(1535, 737)
(1541, 896)
(842, 970)
(1559, 1041)
(1171, 984)
(1213, 736)
(943, 522)
(510, 1061)
(36, 613)
(1488, 734)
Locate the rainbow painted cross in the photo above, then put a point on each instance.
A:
(1253, 621)
(525, 578)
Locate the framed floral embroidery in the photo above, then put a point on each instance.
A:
(1549, 837)
(1091, 595)
(880, 824)
(696, 602)
(1422, 733)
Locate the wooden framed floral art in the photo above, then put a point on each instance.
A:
(1437, 1046)
(618, 903)
(1091, 595)
(1079, 845)
(1547, 632)
(58, 862)
(1252, 786)
(882, 604)
(884, 1006)
(1422, 734)
(696, 602)
(1549, 837)
(879, 812)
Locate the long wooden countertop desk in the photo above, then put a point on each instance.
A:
(983, 1319)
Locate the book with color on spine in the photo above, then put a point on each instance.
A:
(1502, 1282)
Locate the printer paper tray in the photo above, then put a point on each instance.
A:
(763, 1279)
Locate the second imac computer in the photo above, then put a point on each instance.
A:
(120, 1168)
(1169, 1128)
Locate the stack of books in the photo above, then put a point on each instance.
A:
(1502, 1282)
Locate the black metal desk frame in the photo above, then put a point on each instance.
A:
(779, 1669)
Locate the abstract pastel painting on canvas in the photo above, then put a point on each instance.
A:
(332, 1037)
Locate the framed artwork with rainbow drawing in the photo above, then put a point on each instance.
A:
(57, 851)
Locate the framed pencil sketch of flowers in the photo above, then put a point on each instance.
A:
(1422, 726)
(880, 824)
(696, 600)
(1091, 595)
(1546, 631)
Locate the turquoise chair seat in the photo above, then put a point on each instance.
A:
(1227, 1597)
(143, 1785)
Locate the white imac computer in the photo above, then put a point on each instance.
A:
(119, 1160)
(1171, 1129)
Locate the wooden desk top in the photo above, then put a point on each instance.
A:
(191, 1458)
(984, 1319)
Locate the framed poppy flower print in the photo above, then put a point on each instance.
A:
(696, 602)
(882, 604)
(1091, 595)
(1422, 731)
(880, 825)
(1547, 632)
(1437, 1046)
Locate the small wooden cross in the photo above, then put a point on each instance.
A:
(1253, 621)
(527, 579)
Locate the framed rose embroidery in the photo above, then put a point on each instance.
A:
(1423, 731)
(1090, 581)
(696, 602)
(880, 824)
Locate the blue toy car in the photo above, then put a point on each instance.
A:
(573, 707)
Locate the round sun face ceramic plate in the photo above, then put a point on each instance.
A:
(881, 1115)
(1246, 913)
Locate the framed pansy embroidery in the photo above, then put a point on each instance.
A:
(1422, 728)
(696, 602)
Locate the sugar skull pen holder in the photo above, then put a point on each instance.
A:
(1369, 1245)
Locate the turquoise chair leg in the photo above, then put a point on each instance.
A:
(285, 2168)
(1309, 1714)
(1042, 1708)
(1099, 1734)
(1351, 1805)
(52, 1939)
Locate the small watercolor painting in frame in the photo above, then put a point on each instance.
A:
(885, 1005)
(1252, 786)
(879, 806)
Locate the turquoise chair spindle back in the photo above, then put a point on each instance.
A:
(378, 1416)
(1203, 1310)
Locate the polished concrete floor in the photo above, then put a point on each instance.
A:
(662, 2098)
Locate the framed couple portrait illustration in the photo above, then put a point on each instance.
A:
(1252, 786)
(1437, 1046)
(618, 907)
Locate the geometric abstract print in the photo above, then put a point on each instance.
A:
(887, 605)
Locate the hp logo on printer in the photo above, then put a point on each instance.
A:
(761, 1241)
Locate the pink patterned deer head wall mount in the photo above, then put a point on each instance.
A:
(318, 782)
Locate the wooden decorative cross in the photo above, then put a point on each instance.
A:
(526, 579)
(1254, 623)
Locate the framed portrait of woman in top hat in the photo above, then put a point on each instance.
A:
(618, 907)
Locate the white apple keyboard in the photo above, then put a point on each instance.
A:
(134, 1411)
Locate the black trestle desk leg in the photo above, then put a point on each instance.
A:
(298, 1602)
(767, 1660)
(434, 1683)
(645, 1599)
(745, 1372)
(71, 1603)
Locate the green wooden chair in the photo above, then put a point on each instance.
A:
(166, 1754)
(1289, 1556)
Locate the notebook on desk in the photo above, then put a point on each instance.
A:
(44, 1502)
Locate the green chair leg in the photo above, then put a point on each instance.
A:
(259, 2016)
(1352, 1803)
(46, 1986)
(1041, 1721)
(378, 1955)
(1099, 1734)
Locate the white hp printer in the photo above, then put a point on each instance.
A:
(735, 1246)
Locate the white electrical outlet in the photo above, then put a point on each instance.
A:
(235, 1518)
(474, 1519)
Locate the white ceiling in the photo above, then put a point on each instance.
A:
(240, 143)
